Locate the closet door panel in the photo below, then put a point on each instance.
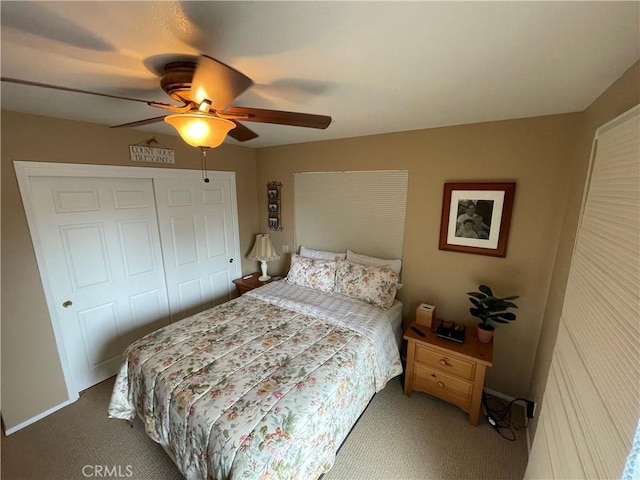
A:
(102, 259)
(198, 241)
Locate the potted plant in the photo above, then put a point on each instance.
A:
(491, 310)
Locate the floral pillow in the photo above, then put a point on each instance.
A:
(312, 273)
(375, 285)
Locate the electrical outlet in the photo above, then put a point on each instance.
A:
(531, 408)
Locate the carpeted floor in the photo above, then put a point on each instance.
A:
(398, 437)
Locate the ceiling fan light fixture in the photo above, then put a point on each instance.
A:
(200, 130)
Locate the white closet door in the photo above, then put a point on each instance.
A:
(199, 242)
(591, 402)
(104, 264)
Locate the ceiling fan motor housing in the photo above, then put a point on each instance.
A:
(176, 80)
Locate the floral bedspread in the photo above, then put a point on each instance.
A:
(250, 389)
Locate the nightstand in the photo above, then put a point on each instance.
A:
(453, 372)
(249, 282)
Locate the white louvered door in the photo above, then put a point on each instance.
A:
(592, 399)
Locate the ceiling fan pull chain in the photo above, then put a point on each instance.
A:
(205, 177)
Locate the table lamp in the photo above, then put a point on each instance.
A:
(264, 252)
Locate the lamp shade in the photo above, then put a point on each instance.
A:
(263, 249)
(200, 129)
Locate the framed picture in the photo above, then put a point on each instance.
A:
(476, 217)
(274, 221)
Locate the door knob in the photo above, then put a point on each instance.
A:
(67, 304)
(231, 260)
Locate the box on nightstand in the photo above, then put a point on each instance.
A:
(425, 314)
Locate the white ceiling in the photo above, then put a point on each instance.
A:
(375, 67)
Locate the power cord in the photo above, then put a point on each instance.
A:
(498, 413)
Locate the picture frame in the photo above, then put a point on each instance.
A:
(274, 211)
(476, 217)
(274, 223)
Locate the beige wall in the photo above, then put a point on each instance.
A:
(535, 153)
(32, 380)
(546, 157)
(618, 98)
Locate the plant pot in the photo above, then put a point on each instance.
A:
(485, 334)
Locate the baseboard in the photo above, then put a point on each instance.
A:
(40, 416)
(501, 395)
(509, 398)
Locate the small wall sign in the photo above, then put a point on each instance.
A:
(144, 153)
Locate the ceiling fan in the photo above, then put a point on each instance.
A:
(204, 91)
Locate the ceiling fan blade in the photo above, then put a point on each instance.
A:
(276, 116)
(242, 133)
(68, 89)
(140, 123)
(216, 82)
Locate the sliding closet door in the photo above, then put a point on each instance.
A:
(103, 261)
(591, 404)
(101, 235)
(199, 241)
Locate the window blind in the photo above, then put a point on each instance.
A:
(592, 400)
(360, 211)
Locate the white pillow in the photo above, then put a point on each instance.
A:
(321, 254)
(395, 265)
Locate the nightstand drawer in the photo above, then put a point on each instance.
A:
(453, 372)
(445, 363)
(442, 386)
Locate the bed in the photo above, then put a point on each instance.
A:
(269, 384)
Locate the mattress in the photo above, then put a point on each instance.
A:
(265, 386)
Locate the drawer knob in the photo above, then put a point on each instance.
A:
(441, 385)
(443, 362)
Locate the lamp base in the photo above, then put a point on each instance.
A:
(263, 268)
